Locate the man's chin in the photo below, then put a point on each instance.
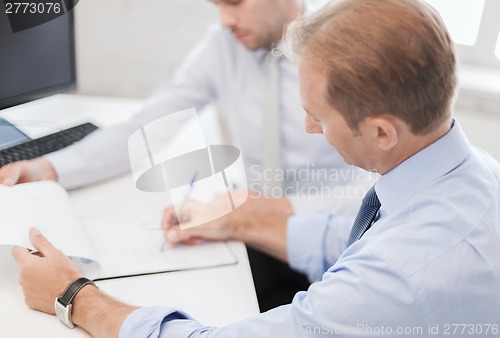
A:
(251, 44)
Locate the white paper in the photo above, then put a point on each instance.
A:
(130, 244)
(102, 247)
(46, 206)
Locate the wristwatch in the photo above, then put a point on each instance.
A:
(63, 303)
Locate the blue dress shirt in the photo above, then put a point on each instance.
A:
(428, 267)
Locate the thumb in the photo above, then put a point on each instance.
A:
(10, 174)
(169, 219)
(40, 242)
(20, 254)
(175, 236)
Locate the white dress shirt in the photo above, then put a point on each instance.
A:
(222, 70)
(428, 267)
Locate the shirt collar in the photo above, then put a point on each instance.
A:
(401, 183)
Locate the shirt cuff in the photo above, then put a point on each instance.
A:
(147, 321)
(65, 163)
(305, 244)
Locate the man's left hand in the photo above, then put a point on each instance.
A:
(44, 275)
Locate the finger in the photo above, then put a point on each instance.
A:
(10, 174)
(193, 234)
(194, 241)
(169, 229)
(20, 254)
(40, 242)
(169, 219)
(184, 213)
(176, 236)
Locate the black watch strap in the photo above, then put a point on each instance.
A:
(72, 289)
(62, 304)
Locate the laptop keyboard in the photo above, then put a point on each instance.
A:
(46, 144)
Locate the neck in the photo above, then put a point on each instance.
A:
(295, 9)
(412, 144)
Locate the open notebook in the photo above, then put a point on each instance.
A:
(102, 247)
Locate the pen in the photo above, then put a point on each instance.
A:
(181, 209)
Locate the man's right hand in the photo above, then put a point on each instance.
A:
(253, 223)
(38, 169)
(219, 228)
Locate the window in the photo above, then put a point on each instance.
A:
(497, 50)
(474, 25)
(453, 13)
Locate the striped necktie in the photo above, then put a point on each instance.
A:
(366, 216)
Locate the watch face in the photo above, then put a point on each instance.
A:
(63, 313)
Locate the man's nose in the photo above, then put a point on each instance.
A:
(227, 18)
(312, 128)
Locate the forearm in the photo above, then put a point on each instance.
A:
(264, 232)
(99, 314)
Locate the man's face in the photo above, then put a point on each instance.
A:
(321, 117)
(256, 23)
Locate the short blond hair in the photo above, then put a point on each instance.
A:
(382, 57)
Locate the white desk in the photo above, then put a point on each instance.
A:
(215, 296)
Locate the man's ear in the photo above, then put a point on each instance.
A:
(383, 131)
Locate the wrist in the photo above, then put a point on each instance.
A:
(266, 233)
(285, 207)
(48, 171)
(99, 314)
(240, 224)
(80, 302)
(64, 282)
(63, 304)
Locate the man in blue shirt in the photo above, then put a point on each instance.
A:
(377, 79)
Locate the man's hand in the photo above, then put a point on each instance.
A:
(259, 222)
(226, 227)
(38, 169)
(43, 276)
(221, 228)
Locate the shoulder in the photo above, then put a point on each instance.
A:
(486, 163)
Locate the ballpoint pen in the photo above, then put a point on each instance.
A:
(181, 208)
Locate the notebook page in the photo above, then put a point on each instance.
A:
(130, 244)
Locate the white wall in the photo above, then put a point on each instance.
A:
(129, 47)
(482, 129)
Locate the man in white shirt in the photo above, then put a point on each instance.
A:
(422, 257)
(229, 66)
